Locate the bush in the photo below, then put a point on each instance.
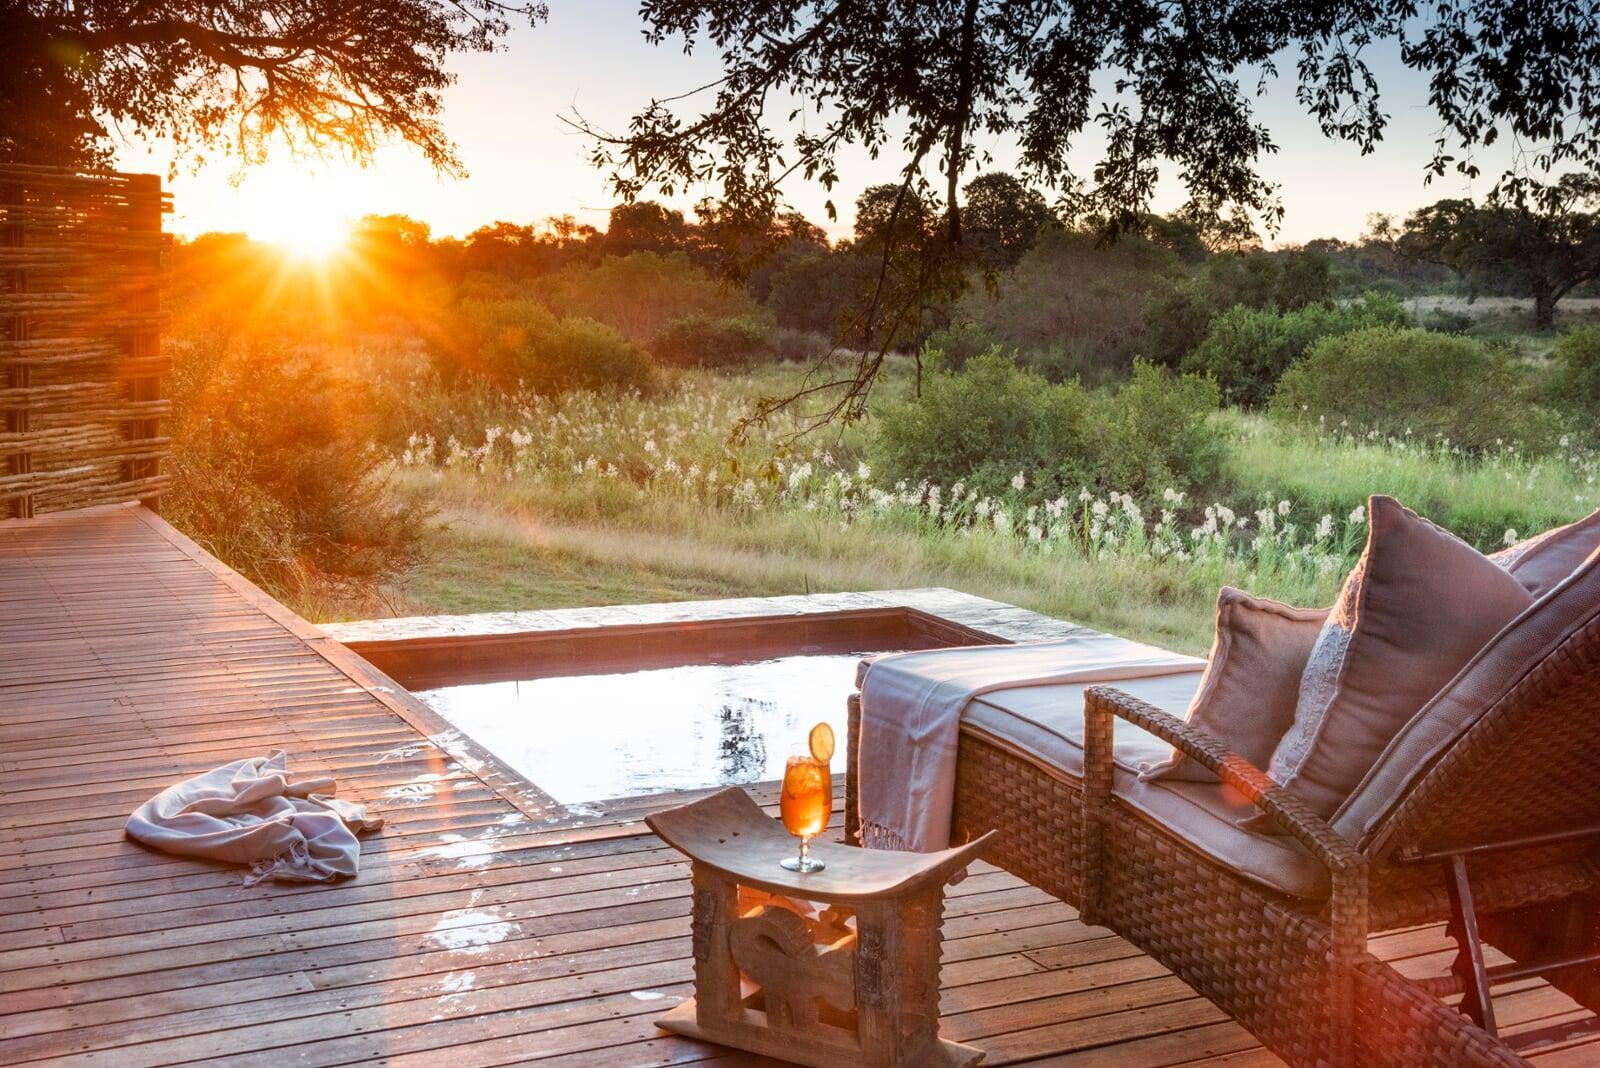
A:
(520, 343)
(1447, 321)
(1181, 316)
(953, 347)
(639, 294)
(799, 346)
(1575, 376)
(1071, 305)
(813, 289)
(985, 424)
(1415, 383)
(959, 342)
(1177, 321)
(701, 341)
(1247, 350)
(584, 354)
(1159, 432)
(274, 470)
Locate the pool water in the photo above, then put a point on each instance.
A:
(590, 737)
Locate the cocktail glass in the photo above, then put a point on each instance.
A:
(806, 804)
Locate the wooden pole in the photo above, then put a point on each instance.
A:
(145, 343)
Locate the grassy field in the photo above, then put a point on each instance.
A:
(602, 501)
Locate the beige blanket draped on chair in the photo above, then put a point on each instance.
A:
(911, 705)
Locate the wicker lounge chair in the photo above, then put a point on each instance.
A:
(1495, 829)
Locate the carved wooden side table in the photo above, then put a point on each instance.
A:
(855, 983)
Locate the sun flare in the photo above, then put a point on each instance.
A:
(314, 243)
(312, 237)
(304, 216)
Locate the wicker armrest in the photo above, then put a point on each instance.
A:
(1283, 808)
(1347, 867)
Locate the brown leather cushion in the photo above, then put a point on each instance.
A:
(1248, 695)
(1498, 667)
(1543, 561)
(1419, 604)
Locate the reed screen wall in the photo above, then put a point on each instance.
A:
(83, 263)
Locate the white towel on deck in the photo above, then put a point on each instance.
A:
(249, 812)
(911, 705)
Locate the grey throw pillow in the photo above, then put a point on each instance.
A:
(1541, 562)
(1247, 696)
(1418, 606)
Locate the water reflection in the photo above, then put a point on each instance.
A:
(742, 750)
(587, 737)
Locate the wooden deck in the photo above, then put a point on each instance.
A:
(487, 926)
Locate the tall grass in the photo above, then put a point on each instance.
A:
(1481, 499)
(652, 484)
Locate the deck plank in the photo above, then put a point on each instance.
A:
(487, 921)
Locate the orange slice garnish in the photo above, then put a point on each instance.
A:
(822, 743)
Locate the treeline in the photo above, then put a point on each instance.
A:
(790, 279)
(707, 291)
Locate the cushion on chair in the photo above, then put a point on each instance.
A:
(1543, 561)
(1251, 685)
(1045, 724)
(1499, 666)
(1048, 720)
(1419, 605)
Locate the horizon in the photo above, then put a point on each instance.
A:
(529, 167)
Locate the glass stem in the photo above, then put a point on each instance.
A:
(805, 850)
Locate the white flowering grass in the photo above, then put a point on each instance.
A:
(651, 483)
(590, 456)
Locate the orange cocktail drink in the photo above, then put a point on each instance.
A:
(807, 799)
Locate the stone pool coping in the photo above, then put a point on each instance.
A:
(994, 619)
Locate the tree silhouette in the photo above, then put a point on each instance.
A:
(1543, 248)
(230, 78)
(1001, 217)
(1167, 86)
(645, 226)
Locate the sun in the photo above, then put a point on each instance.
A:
(302, 216)
(316, 243)
(308, 235)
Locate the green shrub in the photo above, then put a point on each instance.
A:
(959, 342)
(520, 343)
(1180, 318)
(1575, 376)
(984, 425)
(1073, 359)
(584, 354)
(1177, 320)
(274, 469)
(810, 288)
(1159, 432)
(486, 338)
(639, 294)
(1078, 304)
(1247, 350)
(1415, 383)
(702, 341)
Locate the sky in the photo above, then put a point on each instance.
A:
(525, 164)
